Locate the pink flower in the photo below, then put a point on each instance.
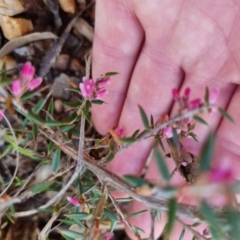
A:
(73, 201)
(16, 88)
(1, 114)
(27, 72)
(119, 130)
(109, 236)
(221, 174)
(26, 82)
(194, 103)
(93, 90)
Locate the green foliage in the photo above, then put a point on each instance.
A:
(56, 160)
(163, 169)
(143, 117)
(207, 152)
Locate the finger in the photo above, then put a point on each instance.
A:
(151, 84)
(117, 41)
(228, 141)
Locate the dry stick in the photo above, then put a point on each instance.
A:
(152, 225)
(56, 48)
(195, 233)
(120, 212)
(72, 179)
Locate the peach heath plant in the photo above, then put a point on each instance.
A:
(26, 81)
(94, 90)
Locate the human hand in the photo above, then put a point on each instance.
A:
(157, 46)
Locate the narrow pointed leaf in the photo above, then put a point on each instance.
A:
(134, 181)
(209, 216)
(162, 165)
(110, 215)
(50, 110)
(72, 234)
(109, 74)
(35, 131)
(50, 147)
(128, 140)
(37, 108)
(182, 234)
(35, 118)
(79, 216)
(41, 187)
(225, 115)
(52, 123)
(207, 153)
(56, 160)
(97, 102)
(136, 213)
(200, 120)
(172, 209)
(206, 96)
(143, 117)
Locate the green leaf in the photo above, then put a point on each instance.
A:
(41, 187)
(123, 200)
(35, 118)
(128, 140)
(50, 147)
(200, 120)
(175, 138)
(79, 216)
(225, 115)
(66, 128)
(71, 234)
(209, 216)
(206, 96)
(76, 90)
(151, 121)
(135, 181)
(109, 158)
(194, 136)
(162, 165)
(37, 108)
(160, 143)
(56, 160)
(134, 135)
(172, 209)
(143, 117)
(182, 234)
(110, 215)
(35, 131)
(109, 74)
(50, 110)
(136, 213)
(207, 153)
(52, 123)
(233, 222)
(28, 95)
(113, 225)
(97, 102)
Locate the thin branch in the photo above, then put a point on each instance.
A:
(120, 212)
(195, 233)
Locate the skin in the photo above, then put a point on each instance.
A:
(157, 46)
